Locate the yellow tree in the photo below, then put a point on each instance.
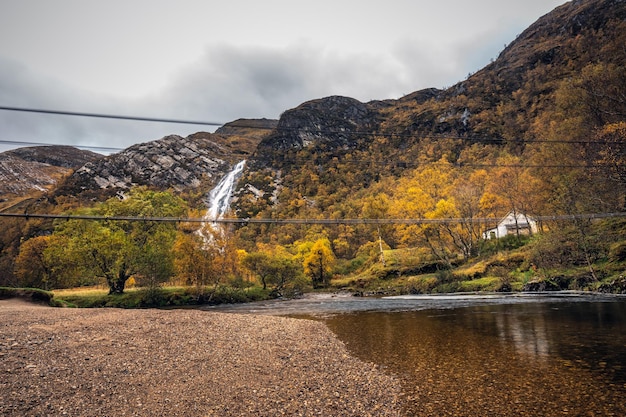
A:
(442, 236)
(32, 267)
(193, 261)
(410, 202)
(319, 263)
(469, 199)
(276, 268)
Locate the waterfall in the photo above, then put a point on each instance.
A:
(219, 197)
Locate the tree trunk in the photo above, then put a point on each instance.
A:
(117, 284)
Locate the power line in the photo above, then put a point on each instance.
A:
(110, 116)
(478, 220)
(280, 129)
(362, 161)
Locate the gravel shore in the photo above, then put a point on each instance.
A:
(112, 362)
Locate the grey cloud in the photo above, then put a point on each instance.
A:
(22, 87)
(225, 84)
(261, 82)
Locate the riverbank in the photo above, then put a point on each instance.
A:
(94, 362)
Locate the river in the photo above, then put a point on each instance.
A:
(484, 354)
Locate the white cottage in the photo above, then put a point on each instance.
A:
(512, 224)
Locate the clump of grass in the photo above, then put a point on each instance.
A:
(422, 284)
(481, 284)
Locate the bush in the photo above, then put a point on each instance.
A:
(482, 284)
(30, 294)
(448, 287)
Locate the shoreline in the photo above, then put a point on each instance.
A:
(94, 362)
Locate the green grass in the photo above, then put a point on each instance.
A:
(481, 284)
(158, 297)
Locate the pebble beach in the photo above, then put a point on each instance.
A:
(115, 362)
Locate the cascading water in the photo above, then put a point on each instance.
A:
(220, 196)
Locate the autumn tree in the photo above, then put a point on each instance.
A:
(275, 268)
(203, 261)
(32, 267)
(319, 263)
(611, 160)
(115, 250)
(468, 194)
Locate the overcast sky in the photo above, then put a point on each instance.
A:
(219, 61)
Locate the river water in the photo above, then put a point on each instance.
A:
(484, 354)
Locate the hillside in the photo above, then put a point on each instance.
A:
(540, 132)
(192, 164)
(328, 149)
(28, 171)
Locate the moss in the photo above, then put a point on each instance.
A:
(481, 284)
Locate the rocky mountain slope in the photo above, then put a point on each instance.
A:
(502, 103)
(38, 168)
(508, 104)
(193, 163)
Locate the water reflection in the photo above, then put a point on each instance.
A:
(511, 359)
(528, 337)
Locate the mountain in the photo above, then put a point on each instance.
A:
(193, 163)
(39, 168)
(507, 106)
(503, 102)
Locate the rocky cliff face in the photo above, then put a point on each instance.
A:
(332, 120)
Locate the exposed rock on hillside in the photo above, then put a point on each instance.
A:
(38, 168)
(254, 128)
(171, 162)
(333, 120)
(58, 156)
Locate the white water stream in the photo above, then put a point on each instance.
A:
(219, 198)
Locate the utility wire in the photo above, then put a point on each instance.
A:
(480, 220)
(280, 129)
(110, 116)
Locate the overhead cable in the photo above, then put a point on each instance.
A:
(110, 116)
(319, 131)
(477, 220)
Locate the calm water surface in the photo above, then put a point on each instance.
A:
(479, 355)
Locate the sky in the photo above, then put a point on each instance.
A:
(218, 61)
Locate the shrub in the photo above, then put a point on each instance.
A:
(31, 294)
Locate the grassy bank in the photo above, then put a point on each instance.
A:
(158, 297)
(589, 259)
